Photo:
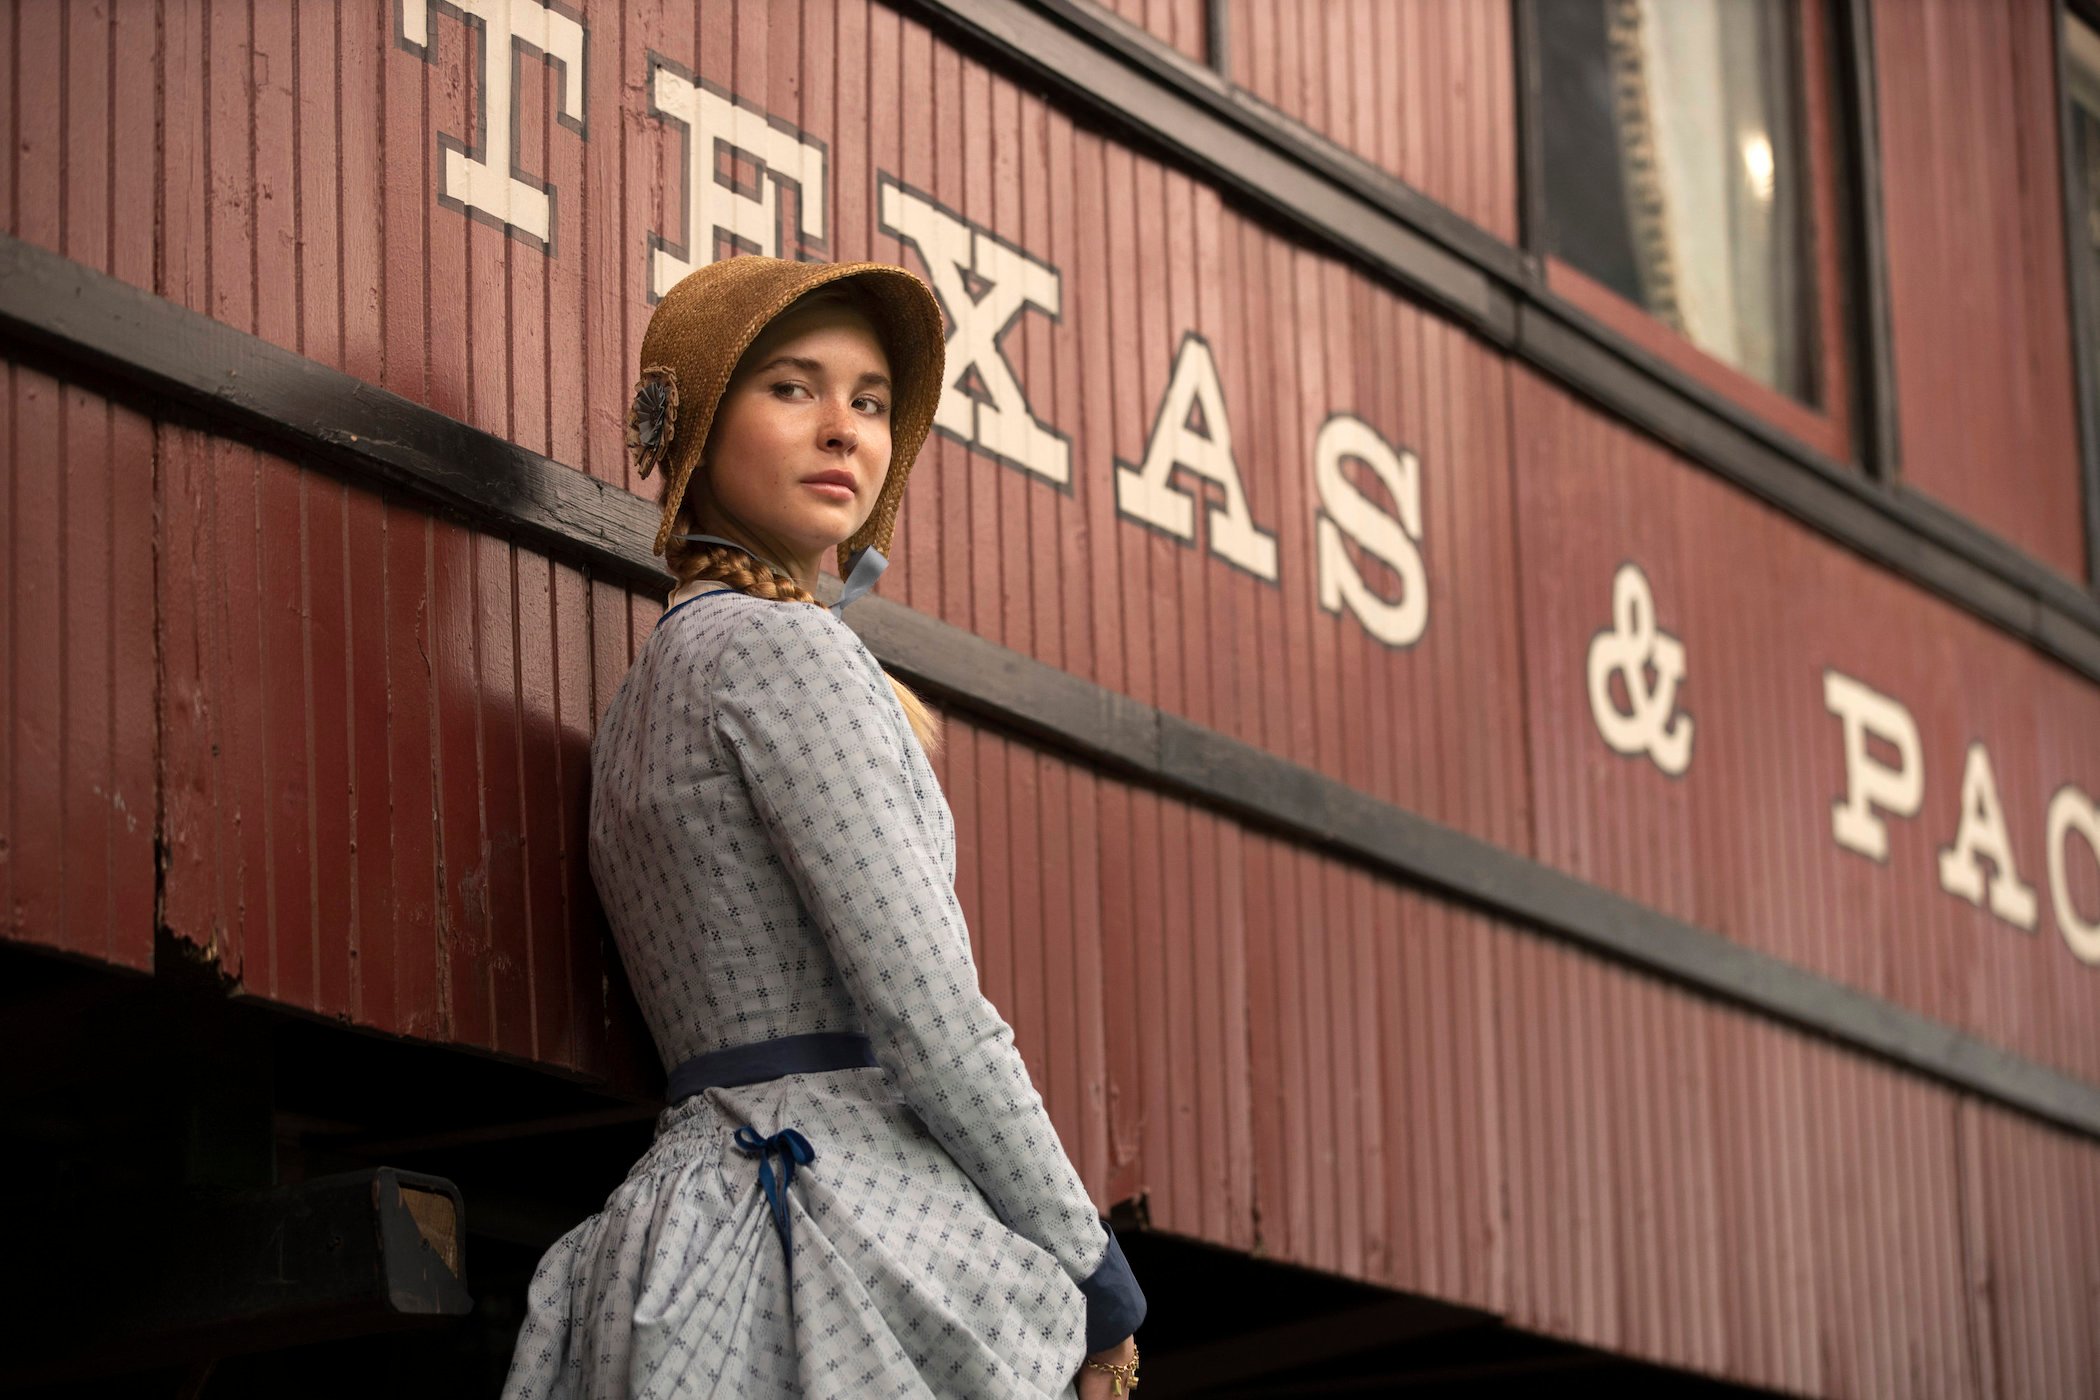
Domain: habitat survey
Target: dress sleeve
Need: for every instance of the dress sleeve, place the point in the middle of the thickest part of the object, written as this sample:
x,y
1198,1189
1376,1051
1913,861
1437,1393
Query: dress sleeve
x,y
806,714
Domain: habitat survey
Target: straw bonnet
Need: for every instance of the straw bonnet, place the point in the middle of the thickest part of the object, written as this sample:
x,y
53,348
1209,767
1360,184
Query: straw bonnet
x,y
705,323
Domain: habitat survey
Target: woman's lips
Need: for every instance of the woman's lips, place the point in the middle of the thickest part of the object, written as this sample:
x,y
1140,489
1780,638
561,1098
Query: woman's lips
x,y
831,490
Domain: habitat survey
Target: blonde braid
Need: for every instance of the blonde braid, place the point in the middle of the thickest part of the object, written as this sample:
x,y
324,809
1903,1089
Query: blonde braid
x,y
743,572
748,574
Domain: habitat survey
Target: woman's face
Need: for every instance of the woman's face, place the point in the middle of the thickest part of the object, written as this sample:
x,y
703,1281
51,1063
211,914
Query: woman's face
x,y
800,444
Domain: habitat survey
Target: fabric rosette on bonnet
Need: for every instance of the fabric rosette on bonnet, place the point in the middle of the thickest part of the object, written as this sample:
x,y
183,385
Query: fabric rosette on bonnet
x,y
705,323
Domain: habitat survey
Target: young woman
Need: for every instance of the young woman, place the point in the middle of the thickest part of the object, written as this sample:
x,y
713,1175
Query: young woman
x,y
856,1190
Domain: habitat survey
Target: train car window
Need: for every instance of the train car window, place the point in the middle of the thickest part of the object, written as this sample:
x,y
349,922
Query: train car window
x,y
2081,70
1673,170
1684,195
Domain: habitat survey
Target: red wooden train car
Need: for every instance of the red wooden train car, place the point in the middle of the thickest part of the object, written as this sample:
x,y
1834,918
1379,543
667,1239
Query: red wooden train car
x,y
1513,584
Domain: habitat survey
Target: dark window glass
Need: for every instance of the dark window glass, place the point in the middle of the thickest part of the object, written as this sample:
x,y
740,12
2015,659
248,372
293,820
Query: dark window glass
x,y
1674,173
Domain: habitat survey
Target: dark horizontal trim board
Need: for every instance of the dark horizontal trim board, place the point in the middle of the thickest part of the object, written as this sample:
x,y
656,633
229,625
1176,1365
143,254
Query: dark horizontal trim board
x,y
1278,166
1209,89
166,359
133,338
1356,214
1118,733
1914,538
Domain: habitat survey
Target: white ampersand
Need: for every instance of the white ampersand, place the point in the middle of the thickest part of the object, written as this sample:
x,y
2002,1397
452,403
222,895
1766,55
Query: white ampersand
x,y
1629,647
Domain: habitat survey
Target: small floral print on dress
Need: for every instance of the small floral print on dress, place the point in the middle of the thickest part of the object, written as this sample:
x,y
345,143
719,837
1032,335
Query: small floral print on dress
x,y
652,418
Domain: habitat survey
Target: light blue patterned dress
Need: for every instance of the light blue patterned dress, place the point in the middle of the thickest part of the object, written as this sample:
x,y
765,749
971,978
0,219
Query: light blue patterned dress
x,y
776,858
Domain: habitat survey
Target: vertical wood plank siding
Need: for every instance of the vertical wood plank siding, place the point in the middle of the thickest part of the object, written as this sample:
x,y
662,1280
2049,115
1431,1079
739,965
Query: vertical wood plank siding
x,y
1179,24
76,721
1421,89
1446,1104
398,756
359,729
1743,844
78,750
1973,198
2033,1208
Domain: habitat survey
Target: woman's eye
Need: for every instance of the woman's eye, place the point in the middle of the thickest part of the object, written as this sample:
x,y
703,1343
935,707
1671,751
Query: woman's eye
x,y
867,403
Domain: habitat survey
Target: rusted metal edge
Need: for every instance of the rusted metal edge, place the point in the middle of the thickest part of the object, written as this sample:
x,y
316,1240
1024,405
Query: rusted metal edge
x,y
163,357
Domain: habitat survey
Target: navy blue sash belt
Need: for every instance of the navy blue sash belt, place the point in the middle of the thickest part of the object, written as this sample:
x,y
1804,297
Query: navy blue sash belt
x,y
755,1063
769,1059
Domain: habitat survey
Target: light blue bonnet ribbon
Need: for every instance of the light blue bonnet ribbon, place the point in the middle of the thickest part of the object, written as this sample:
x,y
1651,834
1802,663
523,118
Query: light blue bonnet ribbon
x,y
867,566
862,571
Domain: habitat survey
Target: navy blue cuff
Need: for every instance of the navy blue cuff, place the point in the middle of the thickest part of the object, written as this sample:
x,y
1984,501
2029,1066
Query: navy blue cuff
x,y
1115,1305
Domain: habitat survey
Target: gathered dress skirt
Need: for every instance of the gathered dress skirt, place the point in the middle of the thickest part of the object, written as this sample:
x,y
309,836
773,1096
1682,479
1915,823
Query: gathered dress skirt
x,y
906,1283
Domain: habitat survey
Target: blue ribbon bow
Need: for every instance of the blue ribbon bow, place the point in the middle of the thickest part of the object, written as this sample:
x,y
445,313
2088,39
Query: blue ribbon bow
x,y
793,1149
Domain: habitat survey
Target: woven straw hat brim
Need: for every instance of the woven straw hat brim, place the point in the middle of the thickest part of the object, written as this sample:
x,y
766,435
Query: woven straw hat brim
x,y
706,322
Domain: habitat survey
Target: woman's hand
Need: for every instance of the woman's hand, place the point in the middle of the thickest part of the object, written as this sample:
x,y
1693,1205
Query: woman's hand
x,y
1100,1385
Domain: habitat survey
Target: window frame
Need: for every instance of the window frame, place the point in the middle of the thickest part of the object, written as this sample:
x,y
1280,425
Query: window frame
x,y
2079,281
1831,428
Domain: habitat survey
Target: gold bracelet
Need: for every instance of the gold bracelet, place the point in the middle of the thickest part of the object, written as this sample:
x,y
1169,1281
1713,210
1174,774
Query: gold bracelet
x,y
1124,1383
